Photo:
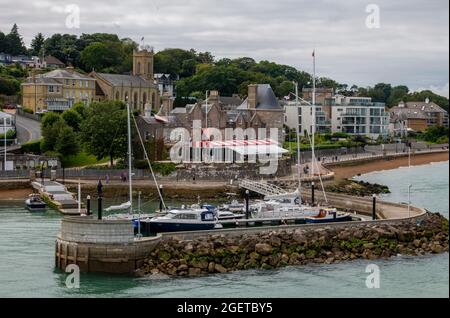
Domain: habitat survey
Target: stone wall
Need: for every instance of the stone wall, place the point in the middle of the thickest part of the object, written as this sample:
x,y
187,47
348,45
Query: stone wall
x,y
219,253
90,230
226,171
101,246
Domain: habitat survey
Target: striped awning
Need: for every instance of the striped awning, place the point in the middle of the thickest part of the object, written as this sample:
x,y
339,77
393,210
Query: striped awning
x,y
245,147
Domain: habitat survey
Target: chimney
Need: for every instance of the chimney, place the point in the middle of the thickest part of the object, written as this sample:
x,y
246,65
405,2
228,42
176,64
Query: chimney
x,y
427,100
252,96
167,104
147,110
213,97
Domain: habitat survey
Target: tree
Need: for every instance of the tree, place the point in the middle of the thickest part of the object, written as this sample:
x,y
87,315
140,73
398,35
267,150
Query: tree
x,y
51,129
104,131
65,47
14,42
81,109
2,42
103,57
9,86
66,142
37,44
72,118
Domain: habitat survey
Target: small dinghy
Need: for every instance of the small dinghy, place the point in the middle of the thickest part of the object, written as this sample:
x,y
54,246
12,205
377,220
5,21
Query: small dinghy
x,y
35,203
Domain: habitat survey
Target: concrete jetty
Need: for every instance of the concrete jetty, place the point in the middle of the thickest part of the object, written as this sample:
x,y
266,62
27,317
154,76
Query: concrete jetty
x,y
57,196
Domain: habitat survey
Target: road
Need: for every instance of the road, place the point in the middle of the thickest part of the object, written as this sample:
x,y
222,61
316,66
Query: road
x,y
27,129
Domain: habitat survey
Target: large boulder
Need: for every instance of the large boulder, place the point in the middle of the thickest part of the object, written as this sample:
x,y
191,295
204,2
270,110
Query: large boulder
x,y
263,249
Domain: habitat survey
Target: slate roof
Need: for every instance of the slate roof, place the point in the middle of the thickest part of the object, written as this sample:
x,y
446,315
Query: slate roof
x,y
64,73
265,99
126,80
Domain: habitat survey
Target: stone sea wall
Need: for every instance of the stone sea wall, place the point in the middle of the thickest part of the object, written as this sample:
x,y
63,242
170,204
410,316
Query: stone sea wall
x,y
219,253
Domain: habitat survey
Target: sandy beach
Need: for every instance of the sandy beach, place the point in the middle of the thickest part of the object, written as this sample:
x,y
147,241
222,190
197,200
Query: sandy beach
x,y
349,170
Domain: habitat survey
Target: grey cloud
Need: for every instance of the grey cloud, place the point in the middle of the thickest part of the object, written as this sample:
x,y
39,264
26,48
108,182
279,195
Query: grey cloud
x,y
411,47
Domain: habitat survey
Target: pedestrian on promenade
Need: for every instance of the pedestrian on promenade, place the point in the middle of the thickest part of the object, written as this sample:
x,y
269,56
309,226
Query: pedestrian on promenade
x,y
107,178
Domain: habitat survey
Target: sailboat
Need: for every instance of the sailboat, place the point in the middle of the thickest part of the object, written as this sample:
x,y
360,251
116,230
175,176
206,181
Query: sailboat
x,y
128,206
291,205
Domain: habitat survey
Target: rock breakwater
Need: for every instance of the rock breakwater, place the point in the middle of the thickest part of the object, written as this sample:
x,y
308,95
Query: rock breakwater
x,y
271,249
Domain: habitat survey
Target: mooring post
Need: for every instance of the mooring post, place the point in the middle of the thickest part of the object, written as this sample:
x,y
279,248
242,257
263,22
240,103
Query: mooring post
x,y
247,198
161,198
100,194
374,207
312,193
88,205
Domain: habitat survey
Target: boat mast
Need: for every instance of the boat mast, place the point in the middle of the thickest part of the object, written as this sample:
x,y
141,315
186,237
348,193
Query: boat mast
x,y
313,130
298,145
129,157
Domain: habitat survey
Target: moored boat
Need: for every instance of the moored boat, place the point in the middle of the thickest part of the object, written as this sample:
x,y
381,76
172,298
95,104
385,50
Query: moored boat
x,y
329,215
182,220
35,203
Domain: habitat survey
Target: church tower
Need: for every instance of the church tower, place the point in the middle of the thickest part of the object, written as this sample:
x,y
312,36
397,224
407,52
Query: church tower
x,y
143,64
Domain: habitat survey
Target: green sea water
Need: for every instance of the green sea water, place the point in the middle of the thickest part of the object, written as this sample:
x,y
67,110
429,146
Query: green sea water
x,y
27,244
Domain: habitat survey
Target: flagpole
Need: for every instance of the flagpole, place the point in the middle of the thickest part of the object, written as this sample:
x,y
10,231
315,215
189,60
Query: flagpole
x,y
313,130
298,146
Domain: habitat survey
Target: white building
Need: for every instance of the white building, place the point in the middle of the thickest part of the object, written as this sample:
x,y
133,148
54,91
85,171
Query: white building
x,y
351,115
301,117
359,116
7,122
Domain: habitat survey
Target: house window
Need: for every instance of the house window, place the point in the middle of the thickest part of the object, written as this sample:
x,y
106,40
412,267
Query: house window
x,y
87,84
67,82
73,83
51,89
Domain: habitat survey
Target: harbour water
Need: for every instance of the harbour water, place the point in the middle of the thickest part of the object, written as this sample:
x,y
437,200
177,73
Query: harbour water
x,y
27,259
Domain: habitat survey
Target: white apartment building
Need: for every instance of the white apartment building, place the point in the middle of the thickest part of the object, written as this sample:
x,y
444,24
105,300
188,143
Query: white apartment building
x,y
301,117
359,116
351,115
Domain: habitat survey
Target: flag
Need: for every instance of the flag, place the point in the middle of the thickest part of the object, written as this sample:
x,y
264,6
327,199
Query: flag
x,y
314,53
142,39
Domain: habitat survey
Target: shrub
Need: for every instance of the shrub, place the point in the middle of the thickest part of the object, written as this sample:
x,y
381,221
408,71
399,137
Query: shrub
x,y
27,110
33,147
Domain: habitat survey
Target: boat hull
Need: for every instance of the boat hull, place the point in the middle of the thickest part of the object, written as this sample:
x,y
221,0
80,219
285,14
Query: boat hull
x,y
345,218
154,227
35,206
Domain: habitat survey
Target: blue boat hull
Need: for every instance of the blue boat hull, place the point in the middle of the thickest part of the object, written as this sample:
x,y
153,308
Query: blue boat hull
x,y
163,227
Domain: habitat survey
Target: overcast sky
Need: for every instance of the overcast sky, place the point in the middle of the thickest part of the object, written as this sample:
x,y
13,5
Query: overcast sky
x,y
411,46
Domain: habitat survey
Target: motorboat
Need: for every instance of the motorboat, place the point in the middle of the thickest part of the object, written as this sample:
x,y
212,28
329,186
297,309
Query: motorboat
x,y
182,220
234,207
286,205
35,203
327,215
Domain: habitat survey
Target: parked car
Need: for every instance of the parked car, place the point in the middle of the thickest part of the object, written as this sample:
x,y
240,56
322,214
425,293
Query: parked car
x,y
9,106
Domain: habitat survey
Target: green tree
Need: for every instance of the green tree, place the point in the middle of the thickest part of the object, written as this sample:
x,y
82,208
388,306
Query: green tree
x,y
2,42
81,109
50,132
37,44
14,42
66,143
64,47
72,118
103,57
104,131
